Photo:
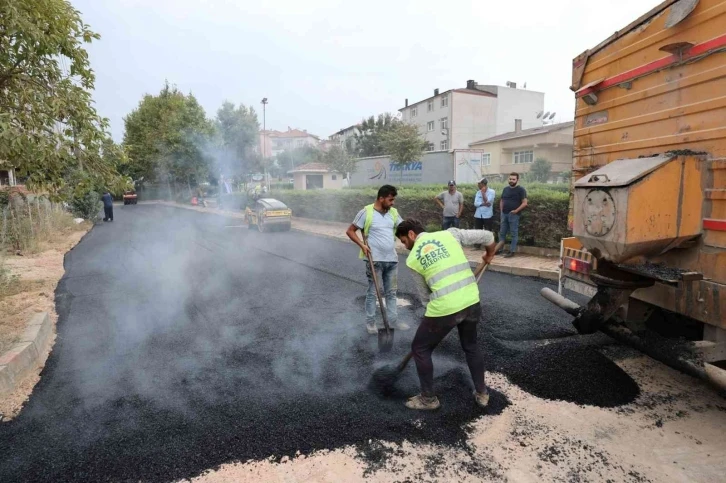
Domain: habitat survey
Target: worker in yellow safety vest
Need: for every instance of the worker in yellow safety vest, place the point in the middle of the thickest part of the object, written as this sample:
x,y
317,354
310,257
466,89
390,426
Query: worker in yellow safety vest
x,y
378,222
449,290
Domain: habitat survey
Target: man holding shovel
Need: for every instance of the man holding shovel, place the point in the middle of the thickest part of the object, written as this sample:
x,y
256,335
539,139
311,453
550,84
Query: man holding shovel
x,y
378,222
449,290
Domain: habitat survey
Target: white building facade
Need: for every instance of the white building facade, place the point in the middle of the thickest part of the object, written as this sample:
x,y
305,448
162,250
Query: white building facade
x,y
455,118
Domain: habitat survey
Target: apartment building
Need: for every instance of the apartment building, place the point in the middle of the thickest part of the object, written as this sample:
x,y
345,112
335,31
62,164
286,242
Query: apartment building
x,y
515,151
273,142
345,138
455,118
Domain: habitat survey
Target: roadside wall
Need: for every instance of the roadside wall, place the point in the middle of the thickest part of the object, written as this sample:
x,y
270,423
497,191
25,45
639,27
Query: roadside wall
x,y
434,168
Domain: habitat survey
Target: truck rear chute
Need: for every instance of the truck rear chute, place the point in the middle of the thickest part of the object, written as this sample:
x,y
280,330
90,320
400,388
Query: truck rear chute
x,y
648,207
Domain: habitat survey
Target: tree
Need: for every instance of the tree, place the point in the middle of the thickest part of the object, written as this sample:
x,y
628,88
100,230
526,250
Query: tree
x,y
48,125
369,135
540,170
238,130
167,138
403,144
338,159
289,159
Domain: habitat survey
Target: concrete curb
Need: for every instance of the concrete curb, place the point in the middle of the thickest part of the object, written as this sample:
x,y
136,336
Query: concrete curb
x,y
522,271
26,355
519,271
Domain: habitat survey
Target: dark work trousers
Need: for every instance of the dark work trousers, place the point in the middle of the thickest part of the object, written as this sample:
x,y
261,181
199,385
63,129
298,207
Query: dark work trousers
x,y
108,213
484,223
433,330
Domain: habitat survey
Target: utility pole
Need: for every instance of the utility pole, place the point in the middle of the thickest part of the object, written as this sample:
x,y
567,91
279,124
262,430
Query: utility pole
x,y
264,141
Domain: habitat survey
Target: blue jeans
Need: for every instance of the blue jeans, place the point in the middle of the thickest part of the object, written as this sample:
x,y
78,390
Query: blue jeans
x,y
509,224
387,273
450,221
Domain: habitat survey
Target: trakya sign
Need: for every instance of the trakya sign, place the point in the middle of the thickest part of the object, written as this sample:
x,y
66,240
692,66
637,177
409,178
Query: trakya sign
x,y
379,170
412,166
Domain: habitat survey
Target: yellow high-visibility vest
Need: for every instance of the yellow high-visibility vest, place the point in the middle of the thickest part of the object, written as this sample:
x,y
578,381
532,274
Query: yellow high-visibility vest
x,y
369,220
441,261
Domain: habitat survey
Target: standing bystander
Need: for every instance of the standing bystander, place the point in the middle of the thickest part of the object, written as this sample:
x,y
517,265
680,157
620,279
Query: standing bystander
x,y
484,202
452,202
513,201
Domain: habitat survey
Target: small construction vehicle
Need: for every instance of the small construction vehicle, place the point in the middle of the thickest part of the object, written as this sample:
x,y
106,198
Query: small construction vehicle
x,y
269,214
130,197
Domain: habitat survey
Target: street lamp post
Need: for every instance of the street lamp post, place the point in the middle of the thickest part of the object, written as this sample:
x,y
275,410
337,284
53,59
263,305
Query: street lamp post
x,y
264,140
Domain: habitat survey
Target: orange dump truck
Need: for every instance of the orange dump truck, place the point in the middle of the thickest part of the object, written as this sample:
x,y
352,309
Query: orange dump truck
x,y
648,205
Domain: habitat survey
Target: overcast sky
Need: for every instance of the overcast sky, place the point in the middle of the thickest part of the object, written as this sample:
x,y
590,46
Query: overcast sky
x,y
324,64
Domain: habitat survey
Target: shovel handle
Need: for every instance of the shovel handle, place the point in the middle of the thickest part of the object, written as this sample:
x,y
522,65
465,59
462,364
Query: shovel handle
x,y
378,290
404,362
479,270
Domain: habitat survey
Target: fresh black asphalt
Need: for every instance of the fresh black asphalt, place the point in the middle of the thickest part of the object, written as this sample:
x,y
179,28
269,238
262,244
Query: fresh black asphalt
x,y
186,341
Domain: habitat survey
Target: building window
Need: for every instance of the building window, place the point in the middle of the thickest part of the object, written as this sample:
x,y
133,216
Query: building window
x,y
335,177
431,125
430,106
523,157
444,123
445,145
486,159
430,147
444,101
414,111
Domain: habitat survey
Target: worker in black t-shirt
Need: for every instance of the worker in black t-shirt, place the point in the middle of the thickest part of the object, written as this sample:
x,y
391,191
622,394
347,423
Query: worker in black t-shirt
x,y
511,204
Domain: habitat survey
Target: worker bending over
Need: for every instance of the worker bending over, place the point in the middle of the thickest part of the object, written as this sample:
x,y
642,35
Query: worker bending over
x,y
449,291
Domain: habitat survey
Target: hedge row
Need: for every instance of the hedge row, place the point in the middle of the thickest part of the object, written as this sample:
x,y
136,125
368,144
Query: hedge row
x,y
543,223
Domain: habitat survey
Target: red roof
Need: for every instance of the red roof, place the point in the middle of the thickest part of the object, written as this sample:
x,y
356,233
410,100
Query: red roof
x,y
290,133
316,167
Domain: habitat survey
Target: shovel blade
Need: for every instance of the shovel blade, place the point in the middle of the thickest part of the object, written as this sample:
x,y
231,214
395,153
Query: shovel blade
x,y
385,340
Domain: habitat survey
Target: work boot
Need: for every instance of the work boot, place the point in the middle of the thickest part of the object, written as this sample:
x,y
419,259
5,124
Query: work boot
x,y
482,399
372,328
423,403
401,326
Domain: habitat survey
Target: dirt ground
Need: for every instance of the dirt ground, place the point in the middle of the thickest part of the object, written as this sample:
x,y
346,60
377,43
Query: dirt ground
x,y
38,274
674,431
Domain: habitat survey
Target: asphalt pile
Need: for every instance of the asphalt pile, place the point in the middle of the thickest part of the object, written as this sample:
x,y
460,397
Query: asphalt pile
x,y
228,354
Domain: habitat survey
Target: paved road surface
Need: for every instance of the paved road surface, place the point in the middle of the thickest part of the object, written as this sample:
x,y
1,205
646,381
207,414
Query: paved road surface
x,y
186,341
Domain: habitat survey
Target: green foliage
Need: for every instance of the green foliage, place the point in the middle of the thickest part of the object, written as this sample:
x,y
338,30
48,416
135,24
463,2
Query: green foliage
x,y
543,223
166,137
369,136
47,120
540,170
288,159
403,143
237,131
86,204
25,221
338,159
7,278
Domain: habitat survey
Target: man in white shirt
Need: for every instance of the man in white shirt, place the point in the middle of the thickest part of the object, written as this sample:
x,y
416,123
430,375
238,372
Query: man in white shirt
x,y
378,221
484,202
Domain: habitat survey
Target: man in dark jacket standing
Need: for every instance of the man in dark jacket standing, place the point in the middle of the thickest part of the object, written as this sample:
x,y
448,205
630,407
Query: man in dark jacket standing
x,y
513,201
107,206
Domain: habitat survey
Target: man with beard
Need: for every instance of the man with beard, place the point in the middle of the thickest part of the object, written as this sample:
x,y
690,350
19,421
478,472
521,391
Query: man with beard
x,y
511,204
378,222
